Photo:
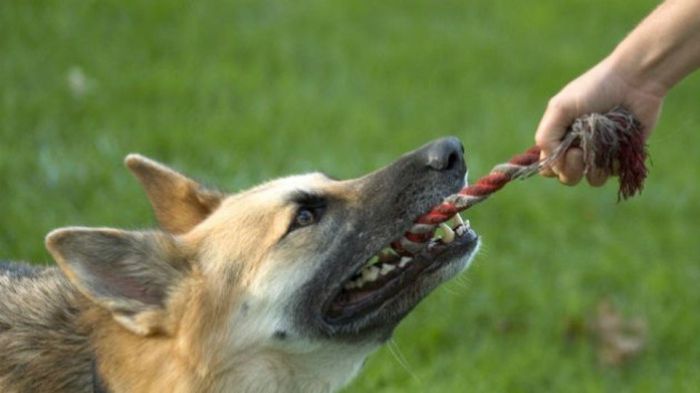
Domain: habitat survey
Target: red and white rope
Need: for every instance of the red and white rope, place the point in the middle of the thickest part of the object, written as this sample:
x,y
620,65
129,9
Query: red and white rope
x,y
610,141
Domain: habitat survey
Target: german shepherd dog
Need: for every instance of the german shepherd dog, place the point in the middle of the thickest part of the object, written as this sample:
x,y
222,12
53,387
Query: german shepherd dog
x,y
286,287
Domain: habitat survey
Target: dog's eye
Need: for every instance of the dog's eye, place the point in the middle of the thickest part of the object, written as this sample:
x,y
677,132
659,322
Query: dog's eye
x,y
304,218
310,209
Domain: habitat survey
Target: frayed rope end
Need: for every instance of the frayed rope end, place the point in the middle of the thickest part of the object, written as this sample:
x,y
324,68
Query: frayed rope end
x,y
615,143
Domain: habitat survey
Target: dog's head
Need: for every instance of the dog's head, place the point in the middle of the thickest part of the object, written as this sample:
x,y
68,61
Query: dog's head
x,y
298,260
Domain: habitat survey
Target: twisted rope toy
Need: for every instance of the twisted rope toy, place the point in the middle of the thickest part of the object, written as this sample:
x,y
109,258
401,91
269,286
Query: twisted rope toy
x,y
612,141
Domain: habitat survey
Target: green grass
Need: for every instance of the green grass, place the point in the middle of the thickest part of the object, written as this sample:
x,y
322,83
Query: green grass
x,y
236,92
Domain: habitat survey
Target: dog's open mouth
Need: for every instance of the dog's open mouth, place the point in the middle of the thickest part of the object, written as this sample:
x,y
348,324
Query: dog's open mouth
x,y
387,275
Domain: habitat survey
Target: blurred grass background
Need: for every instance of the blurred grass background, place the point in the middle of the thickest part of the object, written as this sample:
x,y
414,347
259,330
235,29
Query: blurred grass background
x,y
236,92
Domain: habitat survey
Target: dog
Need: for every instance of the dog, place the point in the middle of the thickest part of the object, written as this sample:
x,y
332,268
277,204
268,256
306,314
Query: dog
x,y
285,287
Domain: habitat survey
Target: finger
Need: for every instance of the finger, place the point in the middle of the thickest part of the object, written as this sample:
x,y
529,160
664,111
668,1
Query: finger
x,y
555,167
597,177
553,125
546,170
572,171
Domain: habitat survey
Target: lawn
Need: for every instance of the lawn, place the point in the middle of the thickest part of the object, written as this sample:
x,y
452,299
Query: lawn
x,y
236,92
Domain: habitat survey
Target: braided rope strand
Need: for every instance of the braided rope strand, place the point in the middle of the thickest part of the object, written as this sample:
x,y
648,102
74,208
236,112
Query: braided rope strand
x,y
613,141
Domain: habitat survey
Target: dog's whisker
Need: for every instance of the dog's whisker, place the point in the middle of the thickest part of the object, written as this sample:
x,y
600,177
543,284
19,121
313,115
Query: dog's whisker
x,y
396,352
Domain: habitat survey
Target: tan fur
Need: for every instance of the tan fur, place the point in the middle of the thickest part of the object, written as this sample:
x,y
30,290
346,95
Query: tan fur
x,y
179,202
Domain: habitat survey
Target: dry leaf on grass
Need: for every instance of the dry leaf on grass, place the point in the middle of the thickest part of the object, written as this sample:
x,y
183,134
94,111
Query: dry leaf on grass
x,y
618,339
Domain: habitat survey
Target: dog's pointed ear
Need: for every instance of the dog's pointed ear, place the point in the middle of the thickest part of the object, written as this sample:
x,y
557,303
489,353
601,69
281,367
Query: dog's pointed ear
x,y
179,202
131,274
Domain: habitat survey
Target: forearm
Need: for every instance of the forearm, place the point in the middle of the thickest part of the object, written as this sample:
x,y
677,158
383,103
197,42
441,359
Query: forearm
x,y
663,49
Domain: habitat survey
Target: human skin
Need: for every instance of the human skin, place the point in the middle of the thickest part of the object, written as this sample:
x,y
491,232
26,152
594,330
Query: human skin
x,y
654,57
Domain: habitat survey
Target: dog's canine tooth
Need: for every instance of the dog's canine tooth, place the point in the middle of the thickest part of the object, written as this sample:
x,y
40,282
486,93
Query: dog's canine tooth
x,y
370,274
405,261
386,269
458,219
449,234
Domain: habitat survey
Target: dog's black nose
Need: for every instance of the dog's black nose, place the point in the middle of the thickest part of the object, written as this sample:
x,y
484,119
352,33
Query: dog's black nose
x,y
445,154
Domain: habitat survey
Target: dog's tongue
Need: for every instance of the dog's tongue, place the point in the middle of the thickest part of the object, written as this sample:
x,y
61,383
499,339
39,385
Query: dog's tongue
x,y
613,142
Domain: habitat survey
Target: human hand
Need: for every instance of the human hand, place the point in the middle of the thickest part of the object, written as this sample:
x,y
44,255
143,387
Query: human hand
x,y
600,89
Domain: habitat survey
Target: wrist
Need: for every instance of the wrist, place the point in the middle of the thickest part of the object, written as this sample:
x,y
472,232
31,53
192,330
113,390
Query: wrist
x,y
663,49
640,71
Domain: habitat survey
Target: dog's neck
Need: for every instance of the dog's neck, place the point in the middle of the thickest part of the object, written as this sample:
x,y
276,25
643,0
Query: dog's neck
x,y
197,361
73,342
324,369
74,345
129,363
145,365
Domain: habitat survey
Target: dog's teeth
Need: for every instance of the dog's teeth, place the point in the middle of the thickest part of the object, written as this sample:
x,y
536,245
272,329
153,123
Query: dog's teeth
x,y
370,274
359,283
372,261
405,261
386,269
449,235
458,219
461,230
433,243
467,224
350,285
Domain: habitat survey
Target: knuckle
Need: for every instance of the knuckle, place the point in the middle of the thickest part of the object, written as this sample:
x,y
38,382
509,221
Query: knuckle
x,y
570,178
556,104
540,138
556,109
598,180
569,181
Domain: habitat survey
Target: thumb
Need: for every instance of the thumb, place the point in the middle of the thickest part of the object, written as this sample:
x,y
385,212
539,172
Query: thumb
x,y
556,120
